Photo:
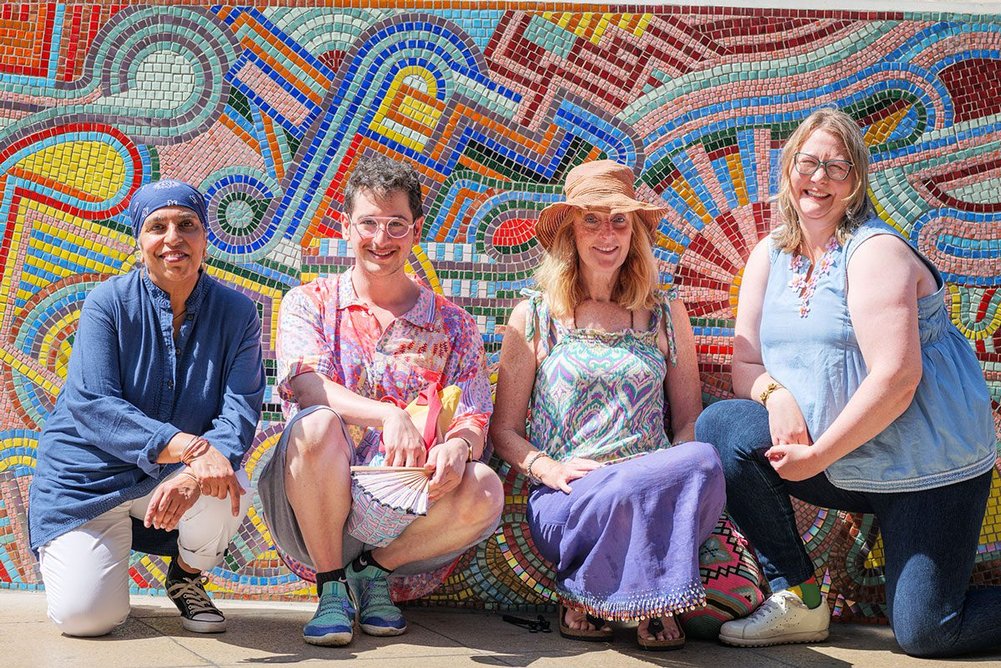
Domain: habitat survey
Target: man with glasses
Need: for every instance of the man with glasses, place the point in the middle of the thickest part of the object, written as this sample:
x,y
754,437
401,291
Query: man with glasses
x,y
346,343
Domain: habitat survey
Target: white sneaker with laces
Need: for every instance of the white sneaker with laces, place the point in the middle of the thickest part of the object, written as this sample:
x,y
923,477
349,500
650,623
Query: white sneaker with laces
x,y
782,619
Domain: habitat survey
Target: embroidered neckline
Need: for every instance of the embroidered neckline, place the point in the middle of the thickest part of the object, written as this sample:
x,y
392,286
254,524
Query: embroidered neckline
x,y
799,266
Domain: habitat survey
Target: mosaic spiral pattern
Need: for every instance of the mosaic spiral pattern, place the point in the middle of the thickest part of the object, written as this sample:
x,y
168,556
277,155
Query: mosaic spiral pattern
x,y
268,107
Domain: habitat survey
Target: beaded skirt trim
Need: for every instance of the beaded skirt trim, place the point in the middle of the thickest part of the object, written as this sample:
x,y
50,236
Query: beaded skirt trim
x,y
637,606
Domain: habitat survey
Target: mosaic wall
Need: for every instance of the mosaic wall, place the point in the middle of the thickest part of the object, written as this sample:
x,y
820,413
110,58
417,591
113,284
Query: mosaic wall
x,y
268,107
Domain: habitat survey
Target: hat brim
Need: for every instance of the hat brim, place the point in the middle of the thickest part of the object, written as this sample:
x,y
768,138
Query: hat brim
x,y
556,215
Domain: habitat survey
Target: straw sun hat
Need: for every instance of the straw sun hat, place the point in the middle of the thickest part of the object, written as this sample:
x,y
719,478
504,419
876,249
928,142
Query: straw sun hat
x,y
602,184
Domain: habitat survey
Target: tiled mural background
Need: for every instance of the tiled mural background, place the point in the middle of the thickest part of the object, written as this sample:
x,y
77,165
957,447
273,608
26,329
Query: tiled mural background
x,y
267,107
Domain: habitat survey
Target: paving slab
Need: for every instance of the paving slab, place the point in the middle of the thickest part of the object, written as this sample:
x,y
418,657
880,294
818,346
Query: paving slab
x,y
270,633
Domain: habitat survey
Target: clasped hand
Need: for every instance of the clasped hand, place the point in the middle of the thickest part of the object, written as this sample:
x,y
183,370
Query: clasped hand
x,y
170,501
795,461
216,478
447,464
791,455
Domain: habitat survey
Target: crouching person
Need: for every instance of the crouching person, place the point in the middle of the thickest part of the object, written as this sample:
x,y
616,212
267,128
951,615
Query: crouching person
x,y
160,404
344,343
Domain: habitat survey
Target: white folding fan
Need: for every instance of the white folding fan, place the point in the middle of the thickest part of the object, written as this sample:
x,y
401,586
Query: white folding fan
x,y
399,493
401,488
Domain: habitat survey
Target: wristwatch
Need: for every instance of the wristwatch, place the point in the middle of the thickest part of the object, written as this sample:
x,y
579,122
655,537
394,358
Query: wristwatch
x,y
771,387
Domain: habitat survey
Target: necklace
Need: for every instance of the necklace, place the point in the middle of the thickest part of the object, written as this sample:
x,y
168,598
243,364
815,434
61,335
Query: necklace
x,y
180,315
800,266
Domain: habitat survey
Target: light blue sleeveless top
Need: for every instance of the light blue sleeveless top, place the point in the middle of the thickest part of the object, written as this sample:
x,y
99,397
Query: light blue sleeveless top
x,y
946,435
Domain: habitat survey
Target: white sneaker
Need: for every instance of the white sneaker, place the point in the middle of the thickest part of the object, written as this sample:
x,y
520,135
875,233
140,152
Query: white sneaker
x,y
781,620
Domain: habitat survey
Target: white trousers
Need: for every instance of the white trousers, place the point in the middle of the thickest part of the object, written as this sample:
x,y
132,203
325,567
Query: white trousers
x,y
86,570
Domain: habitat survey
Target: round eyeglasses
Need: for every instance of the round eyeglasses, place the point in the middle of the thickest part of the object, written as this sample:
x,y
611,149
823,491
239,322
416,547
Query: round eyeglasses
x,y
397,228
593,222
836,170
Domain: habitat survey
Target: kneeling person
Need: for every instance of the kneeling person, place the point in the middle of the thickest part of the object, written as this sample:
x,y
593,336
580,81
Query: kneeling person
x,y
160,404
344,343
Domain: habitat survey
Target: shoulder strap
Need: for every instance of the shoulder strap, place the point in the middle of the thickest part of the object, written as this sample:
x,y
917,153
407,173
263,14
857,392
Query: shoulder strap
x,y
662,311
875,227
539,321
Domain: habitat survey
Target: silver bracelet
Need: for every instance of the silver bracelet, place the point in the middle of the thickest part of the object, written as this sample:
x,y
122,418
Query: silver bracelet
x,y
535,480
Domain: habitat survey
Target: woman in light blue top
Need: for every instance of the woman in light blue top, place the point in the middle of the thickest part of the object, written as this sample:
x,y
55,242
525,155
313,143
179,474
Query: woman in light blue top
x,y
860,394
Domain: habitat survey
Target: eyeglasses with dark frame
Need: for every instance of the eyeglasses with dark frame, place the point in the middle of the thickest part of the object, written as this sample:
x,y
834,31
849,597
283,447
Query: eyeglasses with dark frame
x,y
395,227
836,170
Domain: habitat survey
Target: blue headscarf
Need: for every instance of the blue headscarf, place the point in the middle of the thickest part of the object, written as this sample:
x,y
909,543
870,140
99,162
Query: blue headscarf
x,y
159,194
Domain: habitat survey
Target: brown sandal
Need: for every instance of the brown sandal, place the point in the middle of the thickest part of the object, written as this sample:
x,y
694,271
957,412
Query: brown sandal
x,y
654,645
601,632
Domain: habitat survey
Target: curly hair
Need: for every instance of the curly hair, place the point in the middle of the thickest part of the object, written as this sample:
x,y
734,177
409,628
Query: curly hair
x,y
383,176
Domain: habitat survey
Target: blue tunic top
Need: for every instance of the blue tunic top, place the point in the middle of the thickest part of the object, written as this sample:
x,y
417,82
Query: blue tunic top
x,y
946,435
130,388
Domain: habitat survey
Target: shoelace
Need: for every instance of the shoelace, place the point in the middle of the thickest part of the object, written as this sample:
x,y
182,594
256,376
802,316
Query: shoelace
x,y
194,596
766,608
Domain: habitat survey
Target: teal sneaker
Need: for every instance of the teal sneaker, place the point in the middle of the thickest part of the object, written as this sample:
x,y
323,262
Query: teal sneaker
x,y
334,621
378,615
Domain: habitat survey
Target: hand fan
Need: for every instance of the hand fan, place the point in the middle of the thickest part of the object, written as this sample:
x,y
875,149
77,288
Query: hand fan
x,y
400,488
385,499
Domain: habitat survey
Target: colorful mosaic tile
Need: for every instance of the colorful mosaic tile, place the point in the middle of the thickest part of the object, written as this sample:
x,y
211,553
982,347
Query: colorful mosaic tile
x,y
268,107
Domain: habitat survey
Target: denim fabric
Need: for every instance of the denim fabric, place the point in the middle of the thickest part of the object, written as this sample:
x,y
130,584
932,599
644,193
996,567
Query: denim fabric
x,y
131,387
929,537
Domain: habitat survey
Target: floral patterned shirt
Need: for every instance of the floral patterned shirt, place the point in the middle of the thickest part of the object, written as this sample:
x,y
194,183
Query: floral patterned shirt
x,y
324,328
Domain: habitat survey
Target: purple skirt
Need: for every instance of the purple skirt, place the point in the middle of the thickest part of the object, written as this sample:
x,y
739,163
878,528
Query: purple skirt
x,y
625,543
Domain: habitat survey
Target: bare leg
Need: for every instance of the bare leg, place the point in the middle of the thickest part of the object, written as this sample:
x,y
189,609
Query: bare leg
x,y
185,567
453,522
318,484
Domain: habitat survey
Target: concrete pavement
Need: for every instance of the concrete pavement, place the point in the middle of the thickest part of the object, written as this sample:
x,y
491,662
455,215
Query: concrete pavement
x,y
269,633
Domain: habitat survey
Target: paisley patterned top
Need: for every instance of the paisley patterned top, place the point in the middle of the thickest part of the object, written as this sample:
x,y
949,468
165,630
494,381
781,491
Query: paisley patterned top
x,y
598,395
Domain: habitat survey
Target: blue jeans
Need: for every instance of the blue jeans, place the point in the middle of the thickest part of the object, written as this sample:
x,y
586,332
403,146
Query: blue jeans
x,y
929,537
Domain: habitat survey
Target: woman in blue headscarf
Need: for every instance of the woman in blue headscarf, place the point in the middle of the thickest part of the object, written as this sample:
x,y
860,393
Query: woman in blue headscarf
x,y
161,402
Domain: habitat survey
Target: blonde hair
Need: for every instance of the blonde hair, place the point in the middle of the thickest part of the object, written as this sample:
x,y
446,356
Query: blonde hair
x,y
788,236
559,277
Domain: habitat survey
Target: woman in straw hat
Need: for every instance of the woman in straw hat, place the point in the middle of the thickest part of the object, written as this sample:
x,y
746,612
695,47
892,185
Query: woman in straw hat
x,y
591,362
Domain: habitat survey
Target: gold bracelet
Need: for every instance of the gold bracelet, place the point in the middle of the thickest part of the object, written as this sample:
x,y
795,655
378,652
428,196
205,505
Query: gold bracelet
x,y
771,387
469,447
195,448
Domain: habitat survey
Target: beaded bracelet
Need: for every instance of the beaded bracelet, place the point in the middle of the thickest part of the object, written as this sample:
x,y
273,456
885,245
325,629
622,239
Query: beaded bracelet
x,y
531,462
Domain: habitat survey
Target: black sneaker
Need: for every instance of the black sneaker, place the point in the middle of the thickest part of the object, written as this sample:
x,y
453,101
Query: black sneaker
x,y
198,613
